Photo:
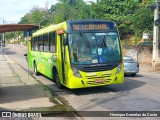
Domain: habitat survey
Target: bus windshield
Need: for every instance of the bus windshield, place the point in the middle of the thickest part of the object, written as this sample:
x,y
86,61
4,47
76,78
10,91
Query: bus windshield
x,y
94,47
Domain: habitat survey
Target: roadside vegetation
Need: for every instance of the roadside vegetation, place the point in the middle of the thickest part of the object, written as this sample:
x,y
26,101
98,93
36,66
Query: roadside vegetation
x,y
133,17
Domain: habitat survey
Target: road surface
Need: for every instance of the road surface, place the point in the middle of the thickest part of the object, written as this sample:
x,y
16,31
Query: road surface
x,y
140,93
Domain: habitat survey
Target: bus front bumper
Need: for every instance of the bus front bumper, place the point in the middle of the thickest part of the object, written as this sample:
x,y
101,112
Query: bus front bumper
x,y
75,82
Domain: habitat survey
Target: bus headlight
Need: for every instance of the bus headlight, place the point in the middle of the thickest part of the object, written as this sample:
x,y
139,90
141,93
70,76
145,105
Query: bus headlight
x,y
76,73
119,68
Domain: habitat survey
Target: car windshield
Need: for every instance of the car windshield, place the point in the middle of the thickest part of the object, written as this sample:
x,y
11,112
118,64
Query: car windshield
x,y
94,47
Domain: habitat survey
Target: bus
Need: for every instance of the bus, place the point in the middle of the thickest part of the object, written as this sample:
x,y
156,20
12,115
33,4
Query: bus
x,y
78,53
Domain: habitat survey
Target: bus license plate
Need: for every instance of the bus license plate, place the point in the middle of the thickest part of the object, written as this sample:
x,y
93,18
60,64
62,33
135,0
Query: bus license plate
x,y
99,80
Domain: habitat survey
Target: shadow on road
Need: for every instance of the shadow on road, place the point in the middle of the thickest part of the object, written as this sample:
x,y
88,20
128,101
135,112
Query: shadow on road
x,y
128,85
9,51
21,93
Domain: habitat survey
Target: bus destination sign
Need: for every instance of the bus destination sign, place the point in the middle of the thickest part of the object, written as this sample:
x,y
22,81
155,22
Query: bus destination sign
x,y
91,26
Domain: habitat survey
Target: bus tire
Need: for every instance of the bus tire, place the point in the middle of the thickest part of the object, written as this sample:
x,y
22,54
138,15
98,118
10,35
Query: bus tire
x,y
35,69
57,80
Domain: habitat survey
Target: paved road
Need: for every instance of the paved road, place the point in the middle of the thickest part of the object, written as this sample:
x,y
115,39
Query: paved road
x,y
140,93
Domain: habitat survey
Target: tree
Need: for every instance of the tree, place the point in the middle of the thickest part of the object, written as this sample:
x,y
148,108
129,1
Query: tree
x,y
69,10
36,15
116,10
142,19
131,16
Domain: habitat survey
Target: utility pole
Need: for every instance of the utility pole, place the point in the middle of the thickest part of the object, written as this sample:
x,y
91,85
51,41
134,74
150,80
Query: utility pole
x,y
3,37
155,35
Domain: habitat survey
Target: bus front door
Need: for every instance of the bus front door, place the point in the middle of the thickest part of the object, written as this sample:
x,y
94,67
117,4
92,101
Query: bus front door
x,y
63,58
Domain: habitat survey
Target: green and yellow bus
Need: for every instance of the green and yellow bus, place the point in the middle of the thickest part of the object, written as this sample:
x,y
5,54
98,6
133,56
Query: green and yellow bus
x,y
78,54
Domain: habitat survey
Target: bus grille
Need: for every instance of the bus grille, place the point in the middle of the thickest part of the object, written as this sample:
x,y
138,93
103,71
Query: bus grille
x,y
105,77
98,68
95,76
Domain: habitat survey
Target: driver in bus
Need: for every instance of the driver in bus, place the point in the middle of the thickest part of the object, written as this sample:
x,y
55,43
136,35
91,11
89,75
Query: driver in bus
x,y
74,51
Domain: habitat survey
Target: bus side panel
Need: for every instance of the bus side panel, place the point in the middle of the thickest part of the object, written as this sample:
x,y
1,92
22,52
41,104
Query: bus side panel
x,y
46,63
32,56
49,61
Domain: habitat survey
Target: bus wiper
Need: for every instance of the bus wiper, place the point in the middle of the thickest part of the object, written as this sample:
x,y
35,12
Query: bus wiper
x,y
103,42
85,40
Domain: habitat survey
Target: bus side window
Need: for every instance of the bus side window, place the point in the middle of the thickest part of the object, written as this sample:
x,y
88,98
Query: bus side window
x,y
40,39
52,42
46,42
36,43
32,44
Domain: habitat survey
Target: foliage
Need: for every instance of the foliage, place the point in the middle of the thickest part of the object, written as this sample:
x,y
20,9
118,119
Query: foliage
x,y
142,20
69,10
10,35
37,15
116,10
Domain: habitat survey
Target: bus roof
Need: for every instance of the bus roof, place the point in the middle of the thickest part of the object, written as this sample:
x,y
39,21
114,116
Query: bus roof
x,y
48,29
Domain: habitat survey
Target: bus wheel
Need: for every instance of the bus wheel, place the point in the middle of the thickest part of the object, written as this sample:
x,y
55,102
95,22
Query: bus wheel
x,y
57,80
35,69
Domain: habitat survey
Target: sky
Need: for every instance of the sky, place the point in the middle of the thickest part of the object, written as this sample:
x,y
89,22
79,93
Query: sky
x,y
12,10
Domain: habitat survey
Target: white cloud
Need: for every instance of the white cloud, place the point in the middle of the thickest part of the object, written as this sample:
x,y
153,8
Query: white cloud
x,y
12,10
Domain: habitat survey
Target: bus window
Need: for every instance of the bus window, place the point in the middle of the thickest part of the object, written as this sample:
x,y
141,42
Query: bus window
x,y
113,42
32,44
52,40
40,41
36,44
46,42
